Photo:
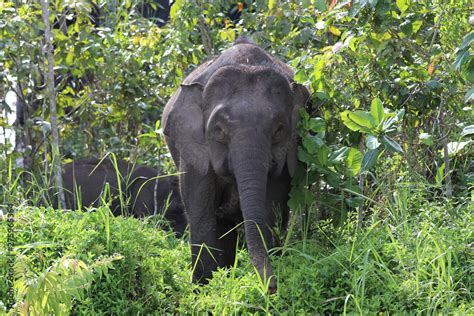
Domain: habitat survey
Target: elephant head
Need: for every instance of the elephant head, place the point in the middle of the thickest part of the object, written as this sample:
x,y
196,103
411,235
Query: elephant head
x,y
236,118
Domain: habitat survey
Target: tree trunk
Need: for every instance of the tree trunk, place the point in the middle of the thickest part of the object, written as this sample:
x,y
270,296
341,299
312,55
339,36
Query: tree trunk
x,y
23,141
56,158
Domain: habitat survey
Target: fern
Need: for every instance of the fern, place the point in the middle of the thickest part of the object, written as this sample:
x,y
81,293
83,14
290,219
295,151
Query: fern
x,y
54,290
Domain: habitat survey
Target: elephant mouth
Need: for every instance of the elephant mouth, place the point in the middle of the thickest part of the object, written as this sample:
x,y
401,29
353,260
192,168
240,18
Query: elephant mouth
x,y
273,169
227,178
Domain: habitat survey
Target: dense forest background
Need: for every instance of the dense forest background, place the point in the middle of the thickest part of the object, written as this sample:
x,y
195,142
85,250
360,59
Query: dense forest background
x,y
381,203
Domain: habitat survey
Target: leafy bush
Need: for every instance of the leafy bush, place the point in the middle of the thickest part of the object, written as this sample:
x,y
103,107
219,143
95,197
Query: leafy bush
x,y
404,263
150,267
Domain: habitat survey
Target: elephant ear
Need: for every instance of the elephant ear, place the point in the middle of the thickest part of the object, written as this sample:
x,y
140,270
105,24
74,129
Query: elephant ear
x,y
300,98
184,127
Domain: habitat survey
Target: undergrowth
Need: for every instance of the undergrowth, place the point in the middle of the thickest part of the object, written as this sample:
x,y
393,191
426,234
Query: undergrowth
x,y
405,262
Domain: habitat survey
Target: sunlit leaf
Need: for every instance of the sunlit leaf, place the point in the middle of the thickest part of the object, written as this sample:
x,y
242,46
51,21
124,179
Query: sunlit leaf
x,y
322,155
468,39
358,121
377,111
469,96
272,4
177,4
403,5
468,130
334,30
439,177
338,156
391,145
426,139
354,161
461,59
455,148
372,142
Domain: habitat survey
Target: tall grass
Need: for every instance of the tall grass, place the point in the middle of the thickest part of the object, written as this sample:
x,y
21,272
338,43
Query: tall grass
x,y
422,264
413,254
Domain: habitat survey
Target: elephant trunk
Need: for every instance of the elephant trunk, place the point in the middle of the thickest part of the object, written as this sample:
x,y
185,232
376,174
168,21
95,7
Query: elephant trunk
x,y
250,164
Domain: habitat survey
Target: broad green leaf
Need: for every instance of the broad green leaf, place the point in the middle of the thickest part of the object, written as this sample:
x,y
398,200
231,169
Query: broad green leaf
x,y
356,7
416,25
468,39
370,158
303,156
338,156
391,145
70,57
354,161
312,143
406,27
469,96
400,115
455,148
372,142
403,5
461,59
439,175
320,5
175,8
376,109
388,123
468,130
303,114
301,76
333,179
426,139
322,155
300,197
317,125
358,121
373,3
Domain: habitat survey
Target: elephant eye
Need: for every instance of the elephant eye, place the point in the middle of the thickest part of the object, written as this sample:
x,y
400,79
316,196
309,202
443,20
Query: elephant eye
x,y
278,134
220,135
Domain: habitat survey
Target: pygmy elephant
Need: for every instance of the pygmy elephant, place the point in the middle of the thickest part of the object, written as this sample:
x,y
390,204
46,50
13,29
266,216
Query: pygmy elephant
x,y
132,189
231,130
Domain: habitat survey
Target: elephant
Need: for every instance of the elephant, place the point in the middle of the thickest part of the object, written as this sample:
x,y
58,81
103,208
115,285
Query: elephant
x,y
231,131
84,181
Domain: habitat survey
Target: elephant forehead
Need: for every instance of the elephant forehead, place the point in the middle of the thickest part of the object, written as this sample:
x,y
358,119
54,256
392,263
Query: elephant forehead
x,y
247,82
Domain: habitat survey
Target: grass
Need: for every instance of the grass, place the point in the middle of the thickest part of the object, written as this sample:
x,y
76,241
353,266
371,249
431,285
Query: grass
x,y
416,259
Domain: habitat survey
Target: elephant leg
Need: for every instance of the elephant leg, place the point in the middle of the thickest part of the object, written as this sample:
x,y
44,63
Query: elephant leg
x,y
227,240
197,193
277,199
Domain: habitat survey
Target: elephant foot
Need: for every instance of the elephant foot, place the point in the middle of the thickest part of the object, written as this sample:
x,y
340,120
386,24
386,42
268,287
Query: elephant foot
x,y
272,287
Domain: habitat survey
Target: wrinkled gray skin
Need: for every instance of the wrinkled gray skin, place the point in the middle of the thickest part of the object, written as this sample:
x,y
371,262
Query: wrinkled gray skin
x,y
89,177
231,130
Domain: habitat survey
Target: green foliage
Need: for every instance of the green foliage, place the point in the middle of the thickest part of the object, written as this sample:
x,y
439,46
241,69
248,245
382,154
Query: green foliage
x,y
405,263
55,289
115,266
392,92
